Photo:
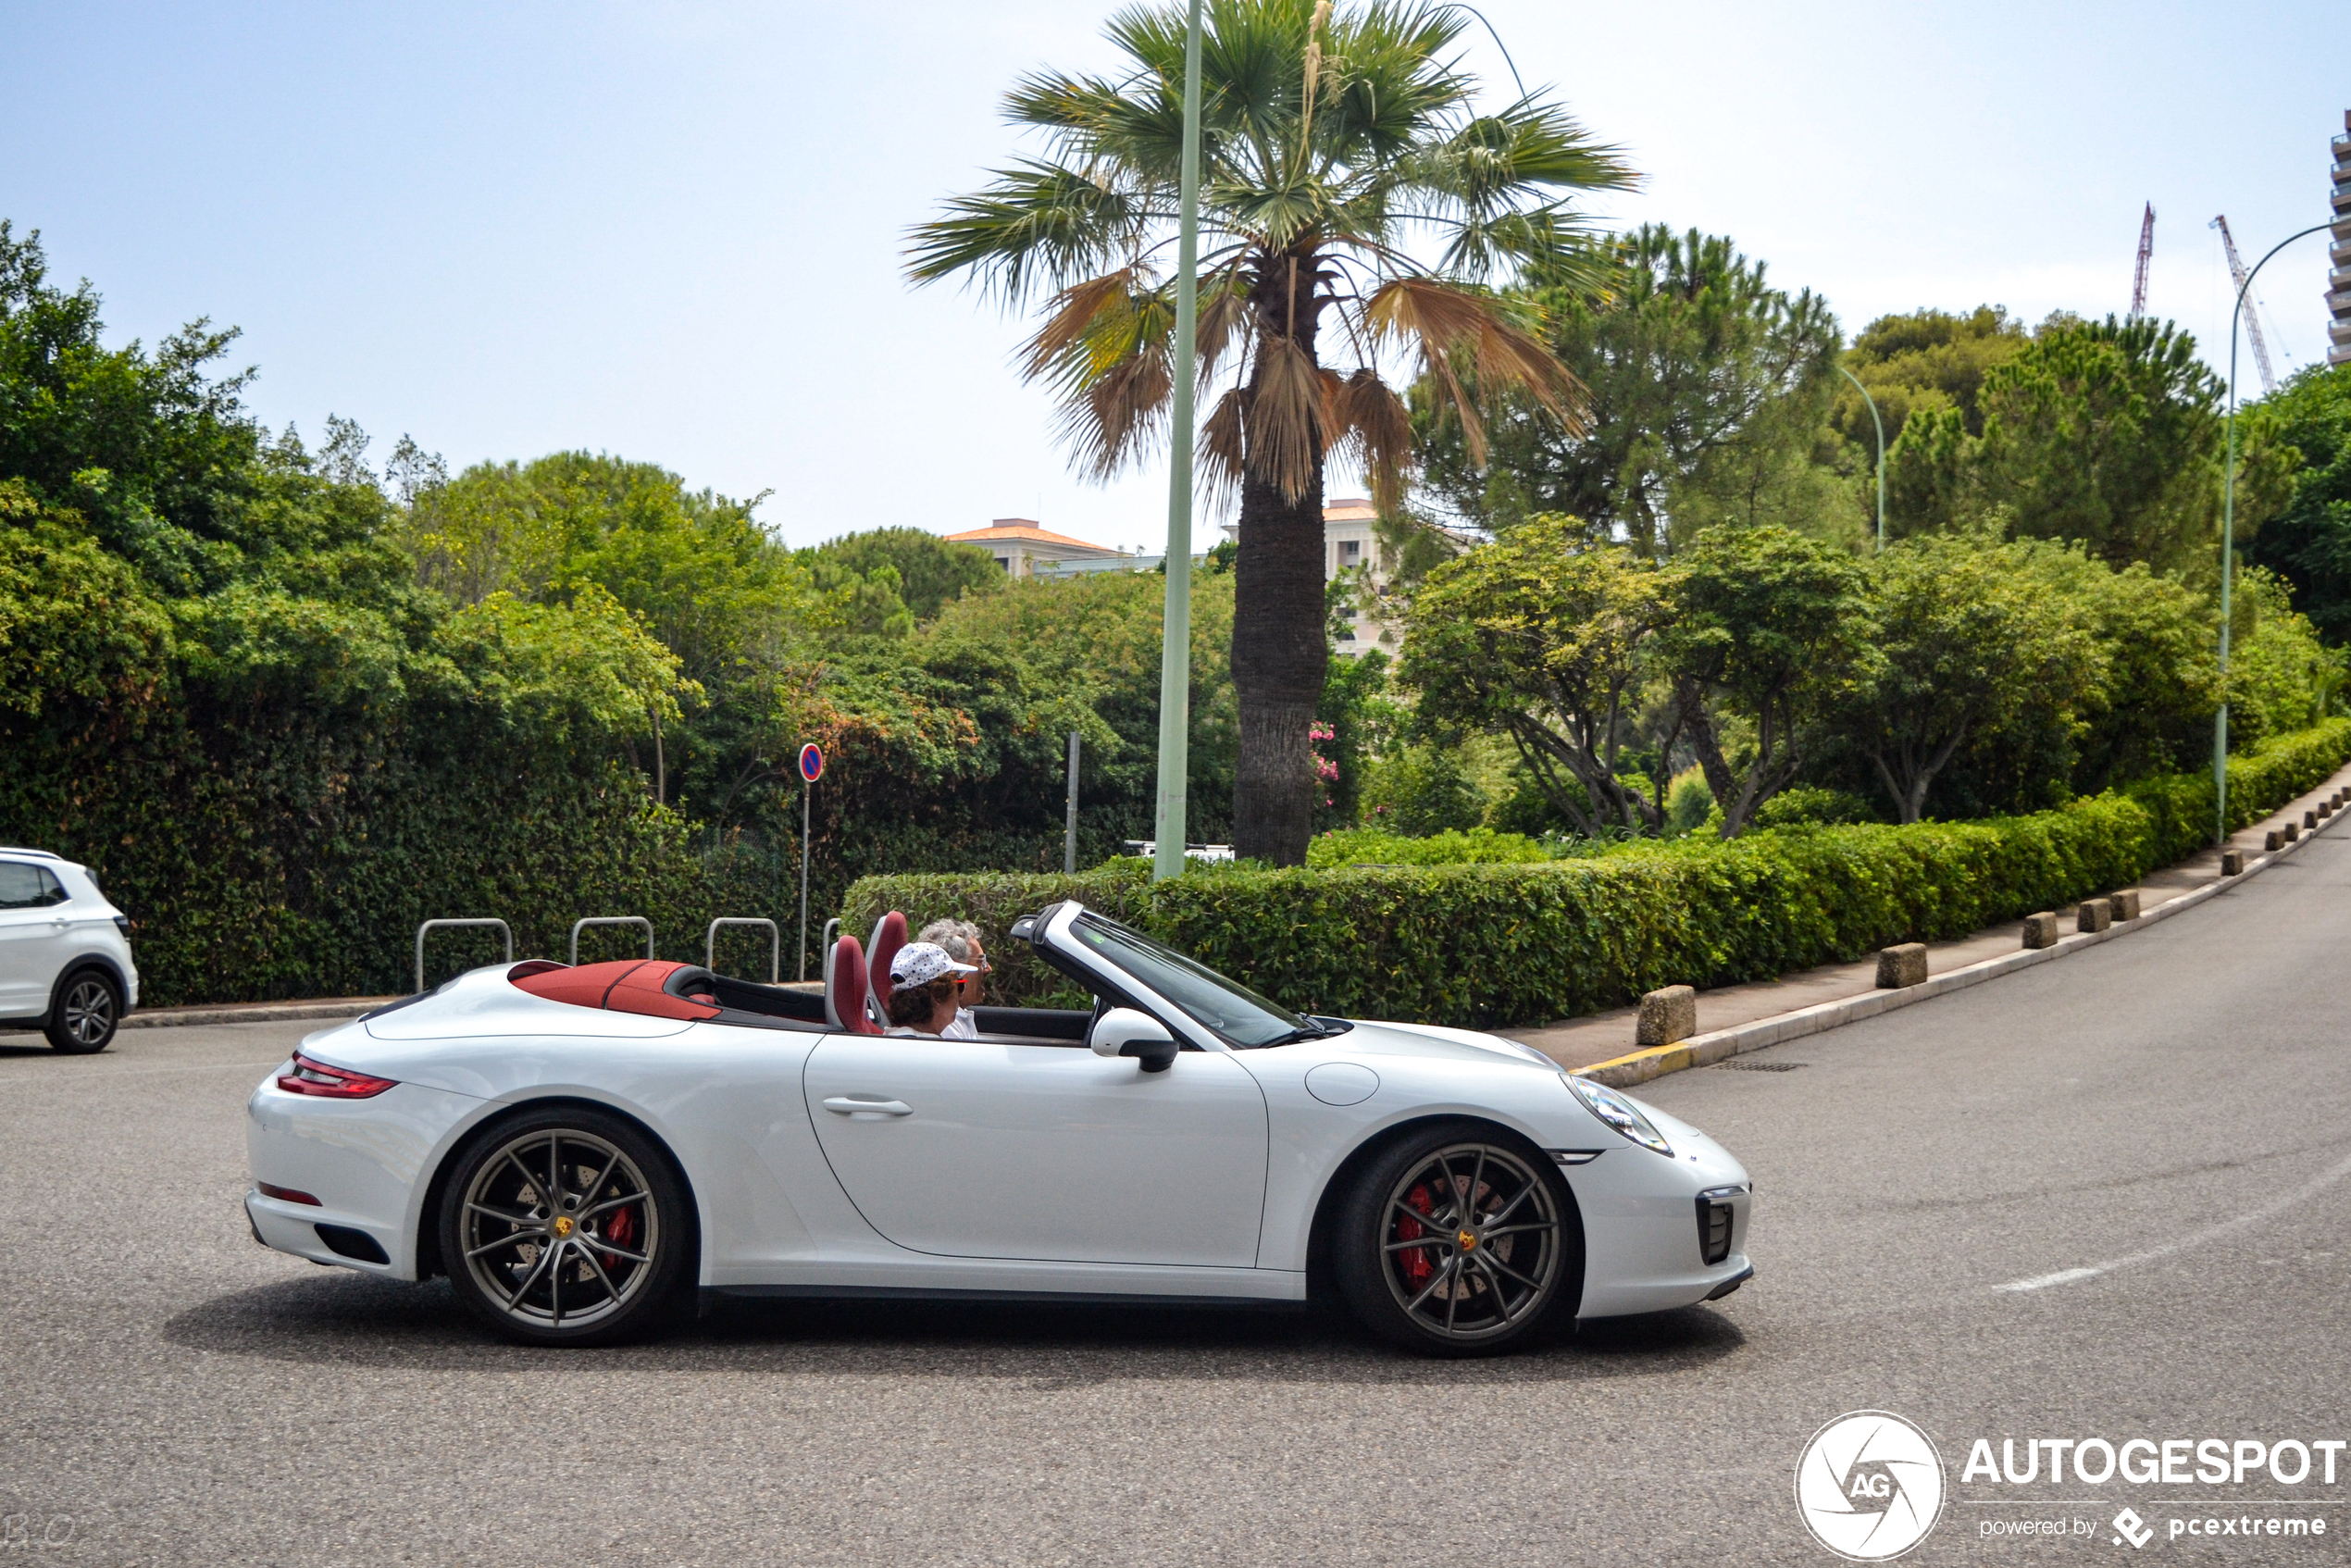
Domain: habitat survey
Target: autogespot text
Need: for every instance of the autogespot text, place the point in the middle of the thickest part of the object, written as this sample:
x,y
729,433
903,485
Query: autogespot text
x,y
2165,1461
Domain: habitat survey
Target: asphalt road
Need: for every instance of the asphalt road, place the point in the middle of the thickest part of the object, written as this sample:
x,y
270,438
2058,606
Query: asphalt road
x,y
2172,1111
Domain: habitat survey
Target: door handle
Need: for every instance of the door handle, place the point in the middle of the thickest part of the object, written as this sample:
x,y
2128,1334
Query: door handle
x,y
850,1105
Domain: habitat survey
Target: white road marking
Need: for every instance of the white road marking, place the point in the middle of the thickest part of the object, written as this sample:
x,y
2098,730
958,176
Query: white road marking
x,y
2042,1281
2196,1238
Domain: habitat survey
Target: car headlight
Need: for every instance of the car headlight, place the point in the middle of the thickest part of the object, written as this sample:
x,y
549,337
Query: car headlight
x,y
1618,1113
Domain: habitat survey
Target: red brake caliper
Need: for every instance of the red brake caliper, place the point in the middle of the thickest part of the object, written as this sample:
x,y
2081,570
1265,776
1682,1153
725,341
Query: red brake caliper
x,y
621,1228
1418,1266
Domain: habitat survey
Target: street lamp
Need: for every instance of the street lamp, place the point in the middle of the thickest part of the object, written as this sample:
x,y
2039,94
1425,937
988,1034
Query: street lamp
x,y
2228,545
1175,636
1881,450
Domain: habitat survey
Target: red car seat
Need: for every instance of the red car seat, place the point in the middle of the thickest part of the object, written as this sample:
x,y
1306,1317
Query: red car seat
x,y
845,992
890,935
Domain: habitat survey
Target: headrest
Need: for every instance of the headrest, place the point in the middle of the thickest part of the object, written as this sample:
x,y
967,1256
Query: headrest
x,y
890,935
845,992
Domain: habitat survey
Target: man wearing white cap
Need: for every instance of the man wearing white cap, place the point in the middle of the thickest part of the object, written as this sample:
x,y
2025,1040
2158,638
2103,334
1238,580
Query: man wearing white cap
x,y
923,985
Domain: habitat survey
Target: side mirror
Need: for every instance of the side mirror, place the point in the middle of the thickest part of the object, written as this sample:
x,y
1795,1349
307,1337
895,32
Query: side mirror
x,y
1122,1031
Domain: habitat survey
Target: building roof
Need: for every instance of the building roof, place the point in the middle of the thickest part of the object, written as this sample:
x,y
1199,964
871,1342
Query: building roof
x,y
1349,509
1020,530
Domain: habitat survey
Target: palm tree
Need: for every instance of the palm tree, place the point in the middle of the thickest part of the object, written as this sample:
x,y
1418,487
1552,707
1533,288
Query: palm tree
x,y
1340,151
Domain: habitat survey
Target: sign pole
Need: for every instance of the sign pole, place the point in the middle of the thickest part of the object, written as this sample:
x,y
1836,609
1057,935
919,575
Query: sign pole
x,y
812,768
806,795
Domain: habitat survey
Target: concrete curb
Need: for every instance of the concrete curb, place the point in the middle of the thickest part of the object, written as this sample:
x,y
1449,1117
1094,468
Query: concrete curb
x,y
258,1012
1704,1050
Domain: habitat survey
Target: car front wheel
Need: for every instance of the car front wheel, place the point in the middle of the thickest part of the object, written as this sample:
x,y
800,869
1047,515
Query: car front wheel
x,y
86,1011
1456,1241
565,1226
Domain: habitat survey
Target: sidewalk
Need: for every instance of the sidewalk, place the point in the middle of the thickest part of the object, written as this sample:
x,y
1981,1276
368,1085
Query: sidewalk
x,y
1603,1037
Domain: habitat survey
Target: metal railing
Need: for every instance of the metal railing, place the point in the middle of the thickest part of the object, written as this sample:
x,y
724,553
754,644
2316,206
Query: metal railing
x,y
434,925
775,943
580,926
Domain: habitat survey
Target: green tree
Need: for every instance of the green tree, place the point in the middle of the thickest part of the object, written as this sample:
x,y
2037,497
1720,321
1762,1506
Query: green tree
x,y
1334,141
2309,543
1768,627
1922,361
1537,637
932,572
1096,638
1967,639
2105,433
1707,388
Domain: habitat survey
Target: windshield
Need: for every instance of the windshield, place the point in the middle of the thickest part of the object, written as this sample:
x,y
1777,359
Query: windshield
x,y
1238,1016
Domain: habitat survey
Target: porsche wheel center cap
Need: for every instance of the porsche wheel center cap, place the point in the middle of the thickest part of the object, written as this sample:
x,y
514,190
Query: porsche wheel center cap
x,y
1468,1238
562,1225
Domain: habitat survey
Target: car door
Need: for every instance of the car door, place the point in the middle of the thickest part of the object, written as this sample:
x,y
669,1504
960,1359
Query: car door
x,y
984,1148
32,937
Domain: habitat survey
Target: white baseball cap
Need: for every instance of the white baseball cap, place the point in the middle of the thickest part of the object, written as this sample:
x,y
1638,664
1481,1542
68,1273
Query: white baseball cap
x,y
918,964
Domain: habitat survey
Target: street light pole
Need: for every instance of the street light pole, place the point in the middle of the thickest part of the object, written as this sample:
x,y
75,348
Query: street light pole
x,y
2228,545
1881,450
1176,640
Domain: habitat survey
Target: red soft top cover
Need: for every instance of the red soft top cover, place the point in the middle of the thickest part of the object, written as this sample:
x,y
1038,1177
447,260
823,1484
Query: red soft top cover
x,y
628,985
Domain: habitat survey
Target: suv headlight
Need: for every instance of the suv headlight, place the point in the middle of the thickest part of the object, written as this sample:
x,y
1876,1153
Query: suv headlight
x,y
1618,1113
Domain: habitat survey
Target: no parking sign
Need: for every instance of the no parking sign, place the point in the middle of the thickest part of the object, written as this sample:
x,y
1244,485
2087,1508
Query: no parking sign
x,y
812,763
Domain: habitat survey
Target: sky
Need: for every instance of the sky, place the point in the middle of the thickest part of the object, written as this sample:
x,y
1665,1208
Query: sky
x,y
674,231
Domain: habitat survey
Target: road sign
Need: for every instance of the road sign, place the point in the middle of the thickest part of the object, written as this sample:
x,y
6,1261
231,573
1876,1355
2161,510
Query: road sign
x,y
812,763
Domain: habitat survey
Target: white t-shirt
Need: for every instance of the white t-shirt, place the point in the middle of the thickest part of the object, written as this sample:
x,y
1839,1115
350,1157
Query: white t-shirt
x,y
965,1027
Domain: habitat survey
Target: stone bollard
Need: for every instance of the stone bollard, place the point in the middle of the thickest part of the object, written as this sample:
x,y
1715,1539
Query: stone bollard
x,y
1902,965
2093,914
2232,863
2309,820
2125,903
2041,930
2273,840
2326,809
2292,830
1667,1015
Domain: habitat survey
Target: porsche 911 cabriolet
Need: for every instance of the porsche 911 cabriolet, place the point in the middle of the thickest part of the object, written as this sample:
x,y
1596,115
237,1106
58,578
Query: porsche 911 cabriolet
x,y
584,1151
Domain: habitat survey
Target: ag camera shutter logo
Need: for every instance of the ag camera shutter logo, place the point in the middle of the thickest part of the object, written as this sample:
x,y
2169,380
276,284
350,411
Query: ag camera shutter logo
x,y
1869,1486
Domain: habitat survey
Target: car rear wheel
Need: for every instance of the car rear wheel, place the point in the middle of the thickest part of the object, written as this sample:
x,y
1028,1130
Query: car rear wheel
x,y
1456,1241
565,1226
84,1014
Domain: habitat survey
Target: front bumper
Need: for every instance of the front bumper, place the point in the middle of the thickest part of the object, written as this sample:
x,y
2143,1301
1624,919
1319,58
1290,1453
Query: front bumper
x,y
1647,1237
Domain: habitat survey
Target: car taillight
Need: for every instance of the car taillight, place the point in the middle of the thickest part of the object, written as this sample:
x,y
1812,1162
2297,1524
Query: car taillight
x,y
333,1083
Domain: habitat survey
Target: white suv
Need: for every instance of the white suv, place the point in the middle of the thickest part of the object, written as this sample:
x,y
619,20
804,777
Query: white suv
x,y
65,953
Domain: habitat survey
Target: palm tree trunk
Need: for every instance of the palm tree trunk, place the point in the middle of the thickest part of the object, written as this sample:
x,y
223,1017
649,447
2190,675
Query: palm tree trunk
x,y
1280,649
1280,657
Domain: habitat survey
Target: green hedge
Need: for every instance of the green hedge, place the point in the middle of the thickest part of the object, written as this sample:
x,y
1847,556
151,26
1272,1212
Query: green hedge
x,y
1490,945
296,859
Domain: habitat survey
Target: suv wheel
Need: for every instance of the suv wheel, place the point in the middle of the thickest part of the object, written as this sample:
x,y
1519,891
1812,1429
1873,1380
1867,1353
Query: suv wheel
x,y
84,1013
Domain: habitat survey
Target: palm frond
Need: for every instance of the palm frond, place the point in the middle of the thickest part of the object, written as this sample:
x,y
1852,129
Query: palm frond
x,y
1039,225
1449,325
1287,418
1372,425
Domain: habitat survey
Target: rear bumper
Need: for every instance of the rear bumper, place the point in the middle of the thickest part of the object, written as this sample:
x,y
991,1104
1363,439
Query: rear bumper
x,y
368,1161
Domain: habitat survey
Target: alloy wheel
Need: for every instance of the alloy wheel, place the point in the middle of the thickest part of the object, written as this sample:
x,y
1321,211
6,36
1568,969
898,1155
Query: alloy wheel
x,y
560,1229
1469,1243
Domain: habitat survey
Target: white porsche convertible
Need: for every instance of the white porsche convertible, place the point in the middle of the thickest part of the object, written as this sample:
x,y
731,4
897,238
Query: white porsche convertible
x,y
578,1149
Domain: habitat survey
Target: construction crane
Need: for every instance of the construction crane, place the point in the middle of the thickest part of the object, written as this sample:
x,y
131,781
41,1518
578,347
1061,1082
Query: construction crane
x,y
2252,314
2147,254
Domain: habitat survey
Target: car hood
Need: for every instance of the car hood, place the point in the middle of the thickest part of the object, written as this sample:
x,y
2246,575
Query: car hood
x,y
1372,1038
